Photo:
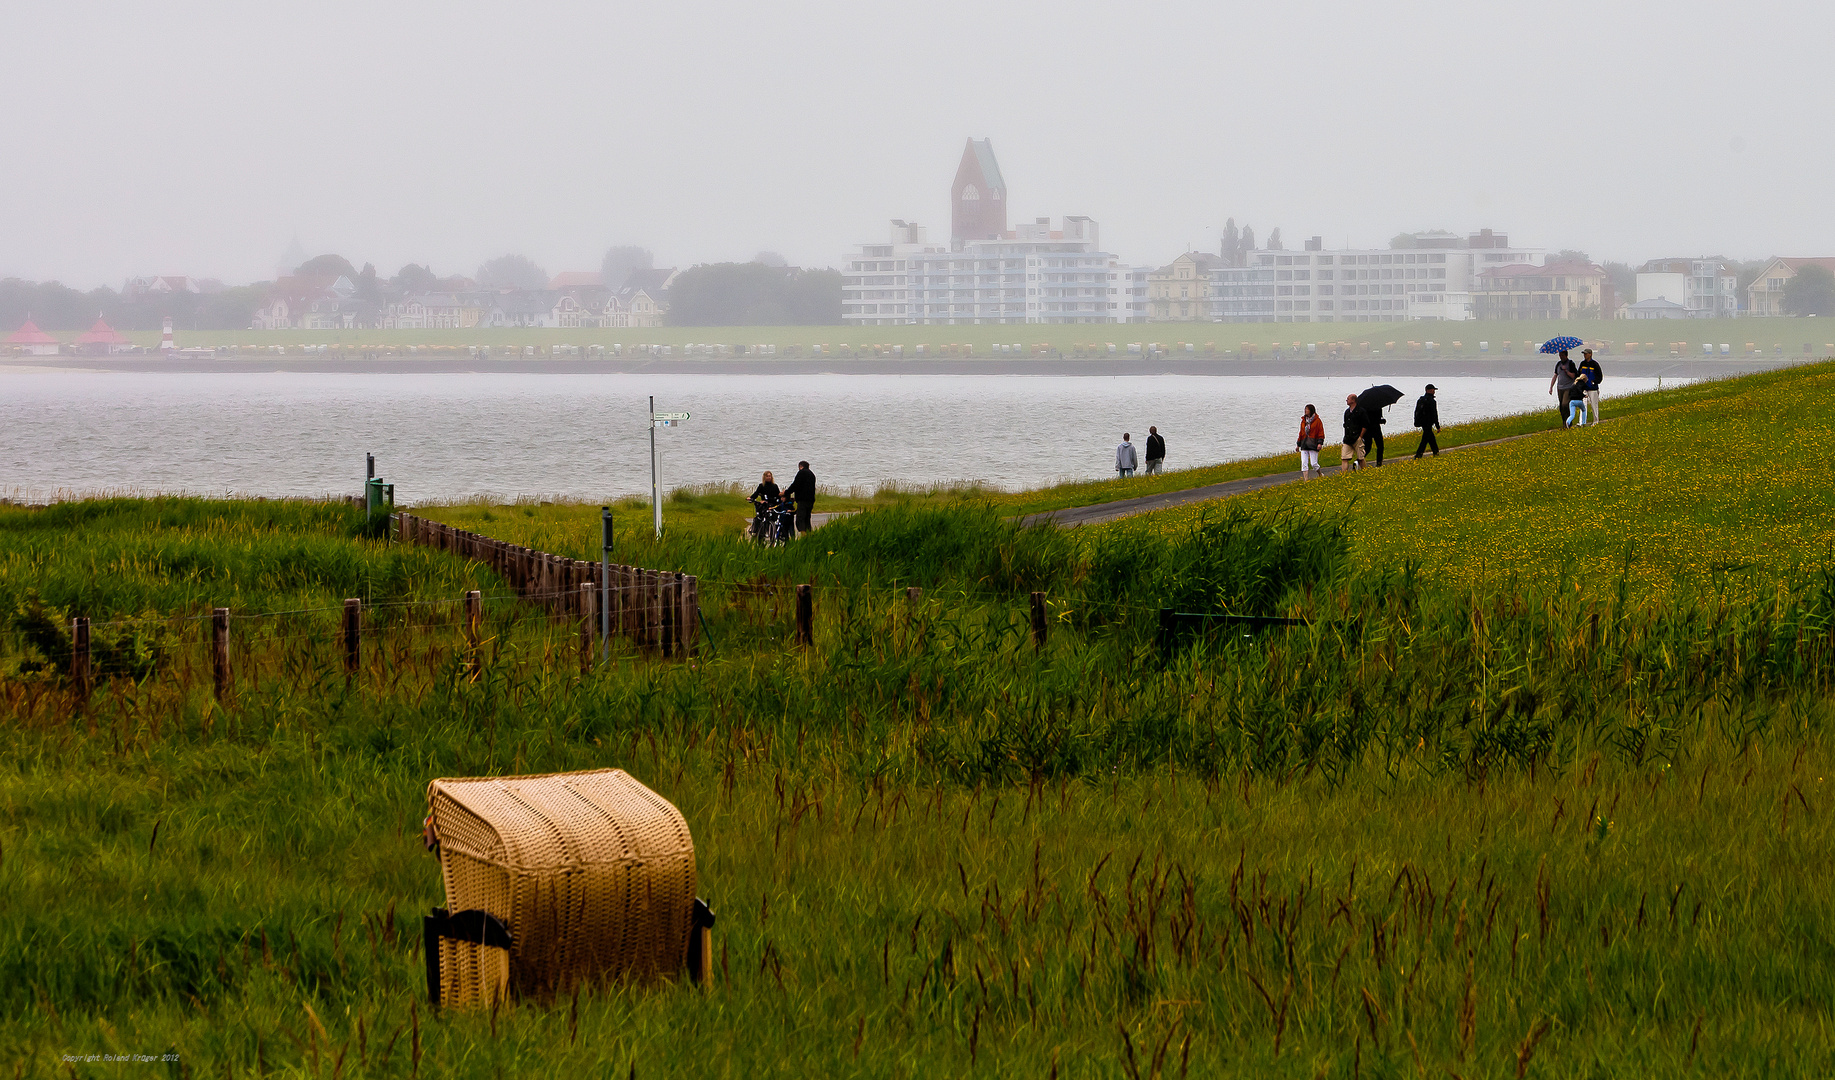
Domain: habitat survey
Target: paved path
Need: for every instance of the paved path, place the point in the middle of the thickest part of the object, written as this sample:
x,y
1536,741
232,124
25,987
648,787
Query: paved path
x,y
1071,517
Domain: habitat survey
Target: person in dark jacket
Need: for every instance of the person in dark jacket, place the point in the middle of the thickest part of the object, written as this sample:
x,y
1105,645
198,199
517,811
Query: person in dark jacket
x,y
1590,368
1427,418
1373,434
763,497
765,492
1156,450
802,490
1351,456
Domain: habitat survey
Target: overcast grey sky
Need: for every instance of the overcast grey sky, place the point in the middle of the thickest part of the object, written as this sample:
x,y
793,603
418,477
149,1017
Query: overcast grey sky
x,y
201,138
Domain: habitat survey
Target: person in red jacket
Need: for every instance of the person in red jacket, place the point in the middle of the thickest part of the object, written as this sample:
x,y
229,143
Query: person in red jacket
x,y
1312,437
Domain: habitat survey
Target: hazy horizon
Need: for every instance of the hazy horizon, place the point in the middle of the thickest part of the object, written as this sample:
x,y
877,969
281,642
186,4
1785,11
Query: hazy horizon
x,y
202,139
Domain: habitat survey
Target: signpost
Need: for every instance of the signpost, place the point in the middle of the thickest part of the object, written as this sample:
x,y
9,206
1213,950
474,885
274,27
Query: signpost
x,y
665,419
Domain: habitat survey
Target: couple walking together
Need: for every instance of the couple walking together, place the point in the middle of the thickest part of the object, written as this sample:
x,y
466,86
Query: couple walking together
x,y
1578,386
1156,454
1363,433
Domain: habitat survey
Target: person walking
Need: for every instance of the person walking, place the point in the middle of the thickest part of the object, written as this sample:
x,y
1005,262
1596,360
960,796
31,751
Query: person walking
x,y
1312,437
1427,418
1563,381
1590,368
1156,451
1373,435
802,491
1124,457
1351,456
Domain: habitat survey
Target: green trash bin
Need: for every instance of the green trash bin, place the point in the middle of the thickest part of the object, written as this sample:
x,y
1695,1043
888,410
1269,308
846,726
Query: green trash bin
x,y
373,497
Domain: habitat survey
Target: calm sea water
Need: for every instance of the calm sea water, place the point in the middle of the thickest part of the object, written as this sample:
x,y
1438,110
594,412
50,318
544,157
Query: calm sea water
x,y
448,436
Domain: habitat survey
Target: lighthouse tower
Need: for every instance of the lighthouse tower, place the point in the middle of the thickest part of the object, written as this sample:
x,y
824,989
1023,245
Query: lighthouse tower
x,y
166,344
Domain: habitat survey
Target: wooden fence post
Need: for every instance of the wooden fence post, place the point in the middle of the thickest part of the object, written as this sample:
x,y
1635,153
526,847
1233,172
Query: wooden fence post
x,y
652,609
629,607
621,590
353,630
219,650
79,655
691,614
672,613
1038,621
586,627
805,616
474,619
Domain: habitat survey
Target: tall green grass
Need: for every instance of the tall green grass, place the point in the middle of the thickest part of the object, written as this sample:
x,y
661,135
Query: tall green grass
x,y
1526,831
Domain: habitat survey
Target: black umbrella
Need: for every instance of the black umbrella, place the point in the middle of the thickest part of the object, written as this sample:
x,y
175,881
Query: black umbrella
x,y
1379,397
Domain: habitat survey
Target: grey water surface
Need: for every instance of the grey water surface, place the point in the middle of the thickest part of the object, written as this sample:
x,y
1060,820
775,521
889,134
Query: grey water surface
x,y
584,436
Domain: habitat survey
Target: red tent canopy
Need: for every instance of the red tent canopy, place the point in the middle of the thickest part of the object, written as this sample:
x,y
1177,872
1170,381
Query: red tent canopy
x,y
102,334
31,335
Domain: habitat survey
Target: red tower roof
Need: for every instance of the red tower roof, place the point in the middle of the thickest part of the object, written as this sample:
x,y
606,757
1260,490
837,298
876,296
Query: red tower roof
x,y
28,334
102,334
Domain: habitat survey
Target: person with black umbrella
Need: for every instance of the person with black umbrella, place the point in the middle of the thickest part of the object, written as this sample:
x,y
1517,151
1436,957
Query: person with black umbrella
x,y
1373,401
1427,418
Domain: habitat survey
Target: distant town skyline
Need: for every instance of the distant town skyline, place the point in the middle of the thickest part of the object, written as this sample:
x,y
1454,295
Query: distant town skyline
x,y
404,134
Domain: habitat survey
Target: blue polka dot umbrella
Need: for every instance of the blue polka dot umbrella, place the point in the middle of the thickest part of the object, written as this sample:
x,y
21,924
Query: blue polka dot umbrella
x,y
1556,344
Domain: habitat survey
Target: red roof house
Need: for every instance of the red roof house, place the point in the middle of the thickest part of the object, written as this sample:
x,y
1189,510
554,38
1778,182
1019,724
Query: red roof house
x,y
102,340
33,341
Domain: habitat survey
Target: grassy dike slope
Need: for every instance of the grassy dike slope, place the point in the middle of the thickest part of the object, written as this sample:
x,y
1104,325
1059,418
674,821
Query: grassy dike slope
x,y
1718,485
1476,832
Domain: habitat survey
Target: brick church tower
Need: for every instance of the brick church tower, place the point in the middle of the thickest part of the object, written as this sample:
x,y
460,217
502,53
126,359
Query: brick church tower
x,y
978,198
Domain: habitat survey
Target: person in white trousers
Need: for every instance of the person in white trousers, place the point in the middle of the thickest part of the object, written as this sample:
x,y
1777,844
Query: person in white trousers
x,y
1124,457
1312,437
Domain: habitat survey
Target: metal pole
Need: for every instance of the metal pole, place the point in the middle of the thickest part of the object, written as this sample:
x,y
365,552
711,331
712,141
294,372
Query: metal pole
x,y
605,581
656,506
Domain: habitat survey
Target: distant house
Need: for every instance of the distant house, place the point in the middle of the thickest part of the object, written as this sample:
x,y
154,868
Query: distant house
x,y
643,301
32,341
1654,308
1180,290
567,311
519,308
307,303
1765,296
435,311
1559,290
102,340
1707,288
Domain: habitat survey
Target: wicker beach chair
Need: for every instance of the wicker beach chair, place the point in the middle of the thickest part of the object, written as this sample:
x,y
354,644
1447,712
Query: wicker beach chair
x,y
555,879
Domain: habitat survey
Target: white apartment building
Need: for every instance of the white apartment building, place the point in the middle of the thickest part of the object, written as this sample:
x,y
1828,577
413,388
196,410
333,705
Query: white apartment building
x,y
1430,281
1706,288
1034,274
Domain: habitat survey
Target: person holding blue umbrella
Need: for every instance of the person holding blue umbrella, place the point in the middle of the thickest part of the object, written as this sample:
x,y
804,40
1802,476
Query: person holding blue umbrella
x,y
1565,371
1563,381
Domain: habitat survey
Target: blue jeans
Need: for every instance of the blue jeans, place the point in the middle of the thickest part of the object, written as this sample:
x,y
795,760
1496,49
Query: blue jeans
x,y
1577,411
1125,473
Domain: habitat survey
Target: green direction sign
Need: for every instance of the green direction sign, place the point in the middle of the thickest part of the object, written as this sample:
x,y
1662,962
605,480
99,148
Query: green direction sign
x,y
669,417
